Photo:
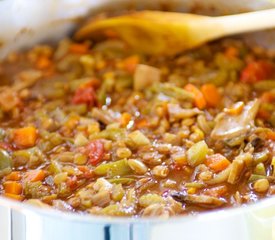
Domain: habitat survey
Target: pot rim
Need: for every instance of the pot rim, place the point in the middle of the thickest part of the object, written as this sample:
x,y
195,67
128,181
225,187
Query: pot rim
x,y
92,219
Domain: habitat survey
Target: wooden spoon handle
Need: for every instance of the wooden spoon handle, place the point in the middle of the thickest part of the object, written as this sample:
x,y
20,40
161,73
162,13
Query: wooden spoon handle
x,y
247,22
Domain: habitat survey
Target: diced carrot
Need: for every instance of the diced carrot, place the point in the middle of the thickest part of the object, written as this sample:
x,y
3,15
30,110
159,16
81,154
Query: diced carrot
x,y
217,162
130,63
13,187
79,48
13,176
94,82
83,168
216,191
25,137
256,71
199,100
87,172
211,94
14,196
270,135
231,52
141,123
125,119
43,63
35,175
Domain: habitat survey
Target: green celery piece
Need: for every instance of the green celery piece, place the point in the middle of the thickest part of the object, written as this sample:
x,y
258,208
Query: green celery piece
x,y
255,177
175,92
124,181
113,134
112,169
197,153
5,160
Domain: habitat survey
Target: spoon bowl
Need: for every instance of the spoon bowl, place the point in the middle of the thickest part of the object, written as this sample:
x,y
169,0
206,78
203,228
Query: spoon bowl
x,y
168,33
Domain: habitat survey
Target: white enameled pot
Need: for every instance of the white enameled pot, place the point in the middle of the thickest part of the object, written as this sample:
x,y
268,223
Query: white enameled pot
x,y
26,22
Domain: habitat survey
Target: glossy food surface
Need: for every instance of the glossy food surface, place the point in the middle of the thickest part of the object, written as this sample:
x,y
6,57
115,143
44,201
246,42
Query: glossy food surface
x,y
96,129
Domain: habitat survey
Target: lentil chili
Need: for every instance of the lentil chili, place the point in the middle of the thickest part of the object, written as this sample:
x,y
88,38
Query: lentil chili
x,y
92,128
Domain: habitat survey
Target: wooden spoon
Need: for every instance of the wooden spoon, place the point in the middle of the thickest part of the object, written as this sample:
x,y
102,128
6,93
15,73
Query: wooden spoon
x,y
167,33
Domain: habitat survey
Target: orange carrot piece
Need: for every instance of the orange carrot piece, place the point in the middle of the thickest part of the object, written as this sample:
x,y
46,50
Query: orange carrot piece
x,y
125,119
140,123
87,173
94,82
131,63
79,48
13,187
217,162
35,175
211,94
231,52
25,137
14,196
270,135
83,168
43,63
13,176
199,100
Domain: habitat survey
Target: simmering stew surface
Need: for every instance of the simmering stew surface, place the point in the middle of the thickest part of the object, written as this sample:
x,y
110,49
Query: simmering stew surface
x,y
96,129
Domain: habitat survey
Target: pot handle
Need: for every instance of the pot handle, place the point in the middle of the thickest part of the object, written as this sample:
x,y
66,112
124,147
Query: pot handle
x,y
5,223
261,223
